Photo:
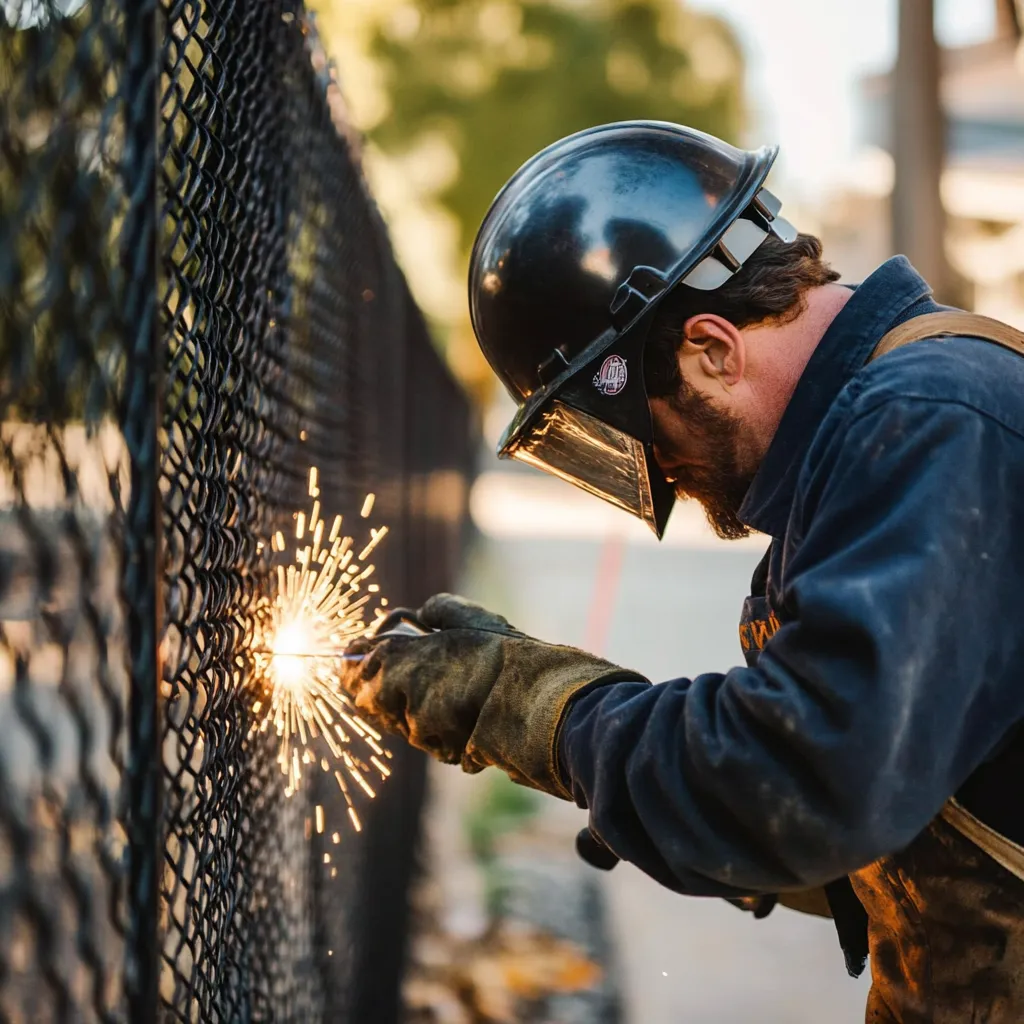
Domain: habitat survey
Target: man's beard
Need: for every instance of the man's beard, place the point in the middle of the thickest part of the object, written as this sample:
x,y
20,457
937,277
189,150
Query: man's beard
x,y
721,486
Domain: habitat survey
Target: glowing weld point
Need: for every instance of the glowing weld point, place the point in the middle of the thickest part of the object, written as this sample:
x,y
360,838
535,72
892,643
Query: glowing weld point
x,y
316,612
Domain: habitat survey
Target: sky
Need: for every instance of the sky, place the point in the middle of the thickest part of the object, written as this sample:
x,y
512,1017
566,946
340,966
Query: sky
x,y
803,60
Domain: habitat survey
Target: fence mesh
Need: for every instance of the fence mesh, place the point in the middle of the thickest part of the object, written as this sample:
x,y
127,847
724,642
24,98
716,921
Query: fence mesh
x,y
198,302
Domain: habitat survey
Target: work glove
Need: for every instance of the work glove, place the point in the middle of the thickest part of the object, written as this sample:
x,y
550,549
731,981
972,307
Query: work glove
x,y
476,692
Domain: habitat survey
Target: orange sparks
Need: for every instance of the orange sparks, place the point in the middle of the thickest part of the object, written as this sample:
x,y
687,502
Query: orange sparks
x,y
318,609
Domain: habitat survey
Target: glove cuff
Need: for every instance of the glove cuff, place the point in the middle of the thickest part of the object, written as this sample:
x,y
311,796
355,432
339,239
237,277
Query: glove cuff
x,y
518,727
554,781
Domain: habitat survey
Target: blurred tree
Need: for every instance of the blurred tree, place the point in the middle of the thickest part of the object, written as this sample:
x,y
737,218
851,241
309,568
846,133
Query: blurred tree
x,y
469,89
499,80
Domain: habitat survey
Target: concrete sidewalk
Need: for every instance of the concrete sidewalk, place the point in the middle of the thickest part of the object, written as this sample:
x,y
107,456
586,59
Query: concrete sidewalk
x,y
666,611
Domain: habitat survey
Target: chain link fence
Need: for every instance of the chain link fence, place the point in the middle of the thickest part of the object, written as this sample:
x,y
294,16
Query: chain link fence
x,y
198,303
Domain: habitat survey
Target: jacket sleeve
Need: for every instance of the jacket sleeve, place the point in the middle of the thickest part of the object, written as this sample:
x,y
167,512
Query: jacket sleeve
x,y
890,679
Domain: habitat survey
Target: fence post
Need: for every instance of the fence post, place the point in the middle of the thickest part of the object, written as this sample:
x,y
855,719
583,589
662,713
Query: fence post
x,y
140,422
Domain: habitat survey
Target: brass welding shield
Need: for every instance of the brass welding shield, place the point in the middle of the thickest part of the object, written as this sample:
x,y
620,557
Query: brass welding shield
x,y
568,269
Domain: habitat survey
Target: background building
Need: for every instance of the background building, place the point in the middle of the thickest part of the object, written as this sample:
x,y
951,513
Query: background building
x,y
982,182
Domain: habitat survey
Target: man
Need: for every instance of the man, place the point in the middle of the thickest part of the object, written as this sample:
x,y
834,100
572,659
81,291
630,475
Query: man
x,y
666,333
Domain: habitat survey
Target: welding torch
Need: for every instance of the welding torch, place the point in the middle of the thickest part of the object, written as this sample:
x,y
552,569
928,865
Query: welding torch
x,y
398,623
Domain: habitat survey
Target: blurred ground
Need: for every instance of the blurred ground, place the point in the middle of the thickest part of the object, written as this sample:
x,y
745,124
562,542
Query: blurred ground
x,y
666,610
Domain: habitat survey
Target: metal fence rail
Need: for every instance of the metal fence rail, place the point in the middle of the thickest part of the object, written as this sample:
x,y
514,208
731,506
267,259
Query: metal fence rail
x,y
198,302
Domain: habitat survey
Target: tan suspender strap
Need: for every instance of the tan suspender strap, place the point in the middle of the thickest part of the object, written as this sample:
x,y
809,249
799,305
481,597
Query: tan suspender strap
x,y
1002,850
932,325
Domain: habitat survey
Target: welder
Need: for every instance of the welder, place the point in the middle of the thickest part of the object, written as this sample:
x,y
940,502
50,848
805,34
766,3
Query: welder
x,y
667,334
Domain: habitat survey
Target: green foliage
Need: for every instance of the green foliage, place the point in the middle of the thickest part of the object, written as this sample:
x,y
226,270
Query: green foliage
x,y
502,808
500,80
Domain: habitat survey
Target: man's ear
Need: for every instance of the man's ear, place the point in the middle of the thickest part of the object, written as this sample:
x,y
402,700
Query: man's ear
x,y
715,347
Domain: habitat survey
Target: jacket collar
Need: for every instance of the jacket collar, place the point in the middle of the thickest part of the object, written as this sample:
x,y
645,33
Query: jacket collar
x,y
895,292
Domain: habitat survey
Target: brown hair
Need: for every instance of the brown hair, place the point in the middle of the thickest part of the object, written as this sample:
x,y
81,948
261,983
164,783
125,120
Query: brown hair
x,y
769,287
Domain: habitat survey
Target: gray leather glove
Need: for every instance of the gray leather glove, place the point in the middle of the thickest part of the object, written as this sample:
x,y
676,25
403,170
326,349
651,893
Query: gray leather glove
x,y
477,692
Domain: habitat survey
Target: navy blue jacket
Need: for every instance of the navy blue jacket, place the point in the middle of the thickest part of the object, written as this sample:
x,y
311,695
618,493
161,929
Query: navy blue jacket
x,y
886,651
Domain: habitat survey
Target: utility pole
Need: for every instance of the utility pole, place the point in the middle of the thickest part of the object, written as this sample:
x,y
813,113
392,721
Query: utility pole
x,y
1007,19
918,147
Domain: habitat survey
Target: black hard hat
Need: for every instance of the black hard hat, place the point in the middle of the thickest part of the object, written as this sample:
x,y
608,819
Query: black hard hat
x,y
571,261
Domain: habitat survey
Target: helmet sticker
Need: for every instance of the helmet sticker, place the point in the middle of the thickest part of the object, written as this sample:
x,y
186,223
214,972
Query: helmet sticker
x,y
612,376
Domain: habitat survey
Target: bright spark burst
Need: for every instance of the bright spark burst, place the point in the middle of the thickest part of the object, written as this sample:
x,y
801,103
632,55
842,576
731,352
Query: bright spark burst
x,y
319,608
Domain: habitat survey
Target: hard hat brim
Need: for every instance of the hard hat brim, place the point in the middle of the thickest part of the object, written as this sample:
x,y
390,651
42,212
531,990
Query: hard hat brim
x,y
591,425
